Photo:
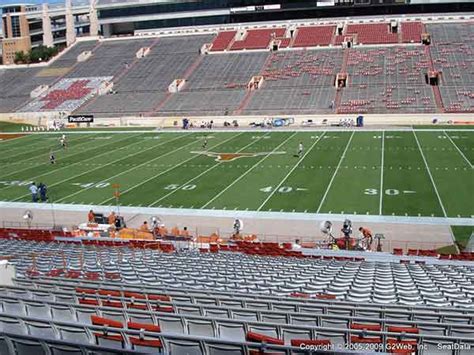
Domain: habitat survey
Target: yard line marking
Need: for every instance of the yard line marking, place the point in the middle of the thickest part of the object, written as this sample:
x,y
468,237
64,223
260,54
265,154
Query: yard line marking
x,y
247,172
204,172
88,171
459,150
381,174
76,163
48,163
290,172
21,146
28,148
122,158
335,173
429,173
165,171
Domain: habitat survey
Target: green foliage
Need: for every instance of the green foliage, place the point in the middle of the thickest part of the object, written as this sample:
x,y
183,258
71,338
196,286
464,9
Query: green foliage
x,y
462,234
36,55
21,57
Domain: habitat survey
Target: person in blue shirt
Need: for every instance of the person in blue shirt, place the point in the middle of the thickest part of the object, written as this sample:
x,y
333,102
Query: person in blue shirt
x,y
43,190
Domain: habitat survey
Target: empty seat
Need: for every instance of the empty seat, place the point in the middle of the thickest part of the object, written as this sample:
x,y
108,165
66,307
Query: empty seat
x,y
56,349
28,347
42,330
110,340
12,325
200,328
74,334
290,334
231,331
177,347
218,349
63,314
38,310
5,345
171,325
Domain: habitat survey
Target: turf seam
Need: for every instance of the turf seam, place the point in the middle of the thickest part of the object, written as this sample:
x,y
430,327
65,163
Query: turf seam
x,y
247,172
459,150
430,175
381,174
163,172
121,158
290,172
66,157
203,173
335,172
37,156
73,164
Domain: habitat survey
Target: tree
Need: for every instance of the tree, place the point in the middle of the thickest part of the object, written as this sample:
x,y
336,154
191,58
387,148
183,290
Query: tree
x,y
21,57
42,53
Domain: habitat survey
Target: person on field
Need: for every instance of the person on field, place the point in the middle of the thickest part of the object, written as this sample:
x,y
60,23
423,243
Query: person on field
x,y
34,192
63,141
204,145
300,149
91,217
52,158
43,191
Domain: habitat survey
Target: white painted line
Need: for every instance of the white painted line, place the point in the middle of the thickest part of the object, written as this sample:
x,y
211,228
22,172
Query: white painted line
x,y
202,173
335,173
459,150
122,172
165,171
431,176
381,174
73,164
29,148
239,130
247,172
290,172
48,163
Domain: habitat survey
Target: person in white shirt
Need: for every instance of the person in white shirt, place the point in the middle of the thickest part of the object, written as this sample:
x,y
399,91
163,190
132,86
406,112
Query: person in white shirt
x,y
63,141
296,245
300,150
34,192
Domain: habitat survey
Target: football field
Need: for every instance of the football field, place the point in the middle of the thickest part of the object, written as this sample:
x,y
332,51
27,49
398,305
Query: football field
x,y
390,173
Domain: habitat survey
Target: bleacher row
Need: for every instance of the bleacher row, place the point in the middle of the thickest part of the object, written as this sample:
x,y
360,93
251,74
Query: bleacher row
x,y
355,280
314,36
70,297
381,79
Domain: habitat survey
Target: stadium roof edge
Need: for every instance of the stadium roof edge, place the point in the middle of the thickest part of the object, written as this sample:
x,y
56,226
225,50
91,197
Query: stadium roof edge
x,y
454,17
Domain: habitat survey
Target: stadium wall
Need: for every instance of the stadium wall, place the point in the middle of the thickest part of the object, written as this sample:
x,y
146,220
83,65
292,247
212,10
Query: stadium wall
x,y
42,118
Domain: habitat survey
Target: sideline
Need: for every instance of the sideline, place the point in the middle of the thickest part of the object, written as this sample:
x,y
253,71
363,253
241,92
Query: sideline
x,y
290,216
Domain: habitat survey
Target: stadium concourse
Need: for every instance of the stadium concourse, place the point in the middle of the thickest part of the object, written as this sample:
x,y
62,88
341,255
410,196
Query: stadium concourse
x,y
235,237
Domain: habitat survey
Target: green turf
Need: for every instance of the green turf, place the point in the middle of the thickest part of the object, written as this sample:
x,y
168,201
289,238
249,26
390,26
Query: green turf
x,y
424,173
108,129
443,127
447,250
11,126
462,235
